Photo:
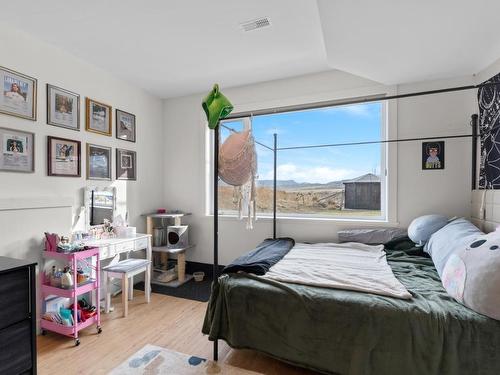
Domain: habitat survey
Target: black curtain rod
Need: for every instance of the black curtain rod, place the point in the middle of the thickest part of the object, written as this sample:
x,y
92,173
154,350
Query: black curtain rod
x,y
375,142
366,99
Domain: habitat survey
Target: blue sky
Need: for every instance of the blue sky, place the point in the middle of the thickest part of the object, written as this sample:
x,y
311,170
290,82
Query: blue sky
x,y
353,123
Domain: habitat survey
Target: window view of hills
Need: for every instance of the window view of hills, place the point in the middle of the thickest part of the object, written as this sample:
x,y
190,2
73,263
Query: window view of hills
x,y
303,198
321,170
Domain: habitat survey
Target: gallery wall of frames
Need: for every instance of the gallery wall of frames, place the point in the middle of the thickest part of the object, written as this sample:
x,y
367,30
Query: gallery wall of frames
x,y
53,129
64,154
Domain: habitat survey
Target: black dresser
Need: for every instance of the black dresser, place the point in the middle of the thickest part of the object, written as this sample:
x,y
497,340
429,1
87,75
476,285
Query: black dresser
x,y
17,317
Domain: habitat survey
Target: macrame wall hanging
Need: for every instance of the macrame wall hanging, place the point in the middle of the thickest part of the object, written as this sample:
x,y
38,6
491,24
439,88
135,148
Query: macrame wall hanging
x,y
489,128
238,168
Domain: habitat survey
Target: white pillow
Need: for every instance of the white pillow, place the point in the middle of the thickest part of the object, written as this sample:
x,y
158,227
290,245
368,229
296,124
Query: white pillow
x,y
422,228
472,275
454,236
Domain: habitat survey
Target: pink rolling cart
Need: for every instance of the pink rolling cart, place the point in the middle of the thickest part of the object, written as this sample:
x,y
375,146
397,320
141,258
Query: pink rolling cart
x,y
92,285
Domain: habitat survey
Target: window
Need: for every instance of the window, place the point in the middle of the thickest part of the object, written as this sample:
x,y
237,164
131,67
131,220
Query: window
x,y
347,180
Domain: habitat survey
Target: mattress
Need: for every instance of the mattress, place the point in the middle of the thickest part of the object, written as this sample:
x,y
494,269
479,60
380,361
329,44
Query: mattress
x,y
347,332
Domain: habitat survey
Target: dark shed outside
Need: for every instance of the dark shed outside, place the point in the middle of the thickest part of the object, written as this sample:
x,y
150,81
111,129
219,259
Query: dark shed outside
x,y
363,193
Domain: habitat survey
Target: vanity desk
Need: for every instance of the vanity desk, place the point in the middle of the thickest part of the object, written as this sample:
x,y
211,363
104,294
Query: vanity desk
x,y
110,247
100,206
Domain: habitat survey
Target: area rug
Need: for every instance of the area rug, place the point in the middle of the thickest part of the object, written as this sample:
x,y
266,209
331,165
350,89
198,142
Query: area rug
x,y
153,360
196,291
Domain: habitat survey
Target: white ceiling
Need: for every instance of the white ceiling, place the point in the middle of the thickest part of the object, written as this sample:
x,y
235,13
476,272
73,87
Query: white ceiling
x,y
178,47
399,41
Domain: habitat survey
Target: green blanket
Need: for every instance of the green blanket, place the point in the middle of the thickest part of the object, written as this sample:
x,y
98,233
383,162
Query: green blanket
x,y
346,332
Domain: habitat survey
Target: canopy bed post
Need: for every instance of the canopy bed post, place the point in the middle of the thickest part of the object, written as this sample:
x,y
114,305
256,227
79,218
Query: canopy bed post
x,y
216,107
474,119
275,154
216,219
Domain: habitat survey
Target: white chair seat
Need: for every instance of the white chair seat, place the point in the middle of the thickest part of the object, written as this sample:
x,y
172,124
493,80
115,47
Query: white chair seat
x,y
127,265
124,270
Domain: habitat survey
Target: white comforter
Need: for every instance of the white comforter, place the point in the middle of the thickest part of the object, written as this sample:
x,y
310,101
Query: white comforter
x,y
351,266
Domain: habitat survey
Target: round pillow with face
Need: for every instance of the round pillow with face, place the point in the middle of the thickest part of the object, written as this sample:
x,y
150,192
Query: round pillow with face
x,y
472,275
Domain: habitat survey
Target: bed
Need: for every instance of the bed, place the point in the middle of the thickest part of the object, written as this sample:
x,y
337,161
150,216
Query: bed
x,y
347,332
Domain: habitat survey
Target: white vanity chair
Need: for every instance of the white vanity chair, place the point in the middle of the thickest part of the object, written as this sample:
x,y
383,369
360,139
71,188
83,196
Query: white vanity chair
x,y
126,270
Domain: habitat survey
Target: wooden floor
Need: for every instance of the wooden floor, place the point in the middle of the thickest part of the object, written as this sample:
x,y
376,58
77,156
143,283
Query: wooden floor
x,y
169,322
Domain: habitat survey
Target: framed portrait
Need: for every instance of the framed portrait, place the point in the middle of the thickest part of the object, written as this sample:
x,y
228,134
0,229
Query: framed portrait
x,y
432,155
17,151
98,162
126,165
125,125
63,157
98,116
63,108
18,97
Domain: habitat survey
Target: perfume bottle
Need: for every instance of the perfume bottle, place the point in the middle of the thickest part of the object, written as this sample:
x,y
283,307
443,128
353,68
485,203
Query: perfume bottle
x,y
66,279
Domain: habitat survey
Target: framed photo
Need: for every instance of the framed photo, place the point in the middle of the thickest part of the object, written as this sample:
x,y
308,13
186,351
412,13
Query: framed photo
x,y
63,157
17,151
63,108
98,162
126,165
432,155
125,125
98,117
18,96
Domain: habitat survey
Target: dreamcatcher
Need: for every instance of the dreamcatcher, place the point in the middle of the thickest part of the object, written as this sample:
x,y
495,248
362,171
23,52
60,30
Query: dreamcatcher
x,y
238,168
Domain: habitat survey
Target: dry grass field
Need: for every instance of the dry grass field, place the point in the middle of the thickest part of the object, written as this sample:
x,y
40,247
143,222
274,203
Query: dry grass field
x,y
328,202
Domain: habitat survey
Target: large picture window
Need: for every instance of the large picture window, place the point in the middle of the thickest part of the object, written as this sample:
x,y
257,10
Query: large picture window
x,y
346,180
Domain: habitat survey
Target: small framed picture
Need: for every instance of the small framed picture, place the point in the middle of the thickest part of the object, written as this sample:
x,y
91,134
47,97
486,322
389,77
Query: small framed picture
x,y
63,108
98,116
432,155
98,162
63,157
17,151
18,97
125,125
126,165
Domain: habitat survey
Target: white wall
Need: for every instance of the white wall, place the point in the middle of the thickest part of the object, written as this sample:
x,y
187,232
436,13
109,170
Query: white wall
x,y
441,191
417,191
22,230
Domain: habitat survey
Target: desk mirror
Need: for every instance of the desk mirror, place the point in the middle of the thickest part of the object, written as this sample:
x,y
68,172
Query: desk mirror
x,y
100,204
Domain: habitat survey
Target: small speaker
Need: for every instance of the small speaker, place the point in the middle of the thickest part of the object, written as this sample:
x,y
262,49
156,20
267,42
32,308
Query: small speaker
x,y
177,236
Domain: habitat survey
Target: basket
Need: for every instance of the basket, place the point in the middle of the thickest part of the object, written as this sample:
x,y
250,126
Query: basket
x,y
198,276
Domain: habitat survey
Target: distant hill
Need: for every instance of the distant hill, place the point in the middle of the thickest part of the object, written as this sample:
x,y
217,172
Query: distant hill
x,y
292,184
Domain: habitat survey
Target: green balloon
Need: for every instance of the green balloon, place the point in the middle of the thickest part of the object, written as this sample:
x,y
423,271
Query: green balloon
x,y
216,107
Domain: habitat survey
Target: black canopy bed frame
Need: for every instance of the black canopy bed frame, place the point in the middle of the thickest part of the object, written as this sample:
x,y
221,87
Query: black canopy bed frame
x,y
474,135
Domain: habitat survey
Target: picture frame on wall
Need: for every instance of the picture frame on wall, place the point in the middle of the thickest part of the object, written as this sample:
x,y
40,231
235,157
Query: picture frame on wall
x,y
125,125
18,95
126,164
63,157
98,117
17,151
63,108
98,162
433,156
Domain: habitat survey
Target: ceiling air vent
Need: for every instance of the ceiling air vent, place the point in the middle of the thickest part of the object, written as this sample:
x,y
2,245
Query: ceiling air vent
x,y
258,23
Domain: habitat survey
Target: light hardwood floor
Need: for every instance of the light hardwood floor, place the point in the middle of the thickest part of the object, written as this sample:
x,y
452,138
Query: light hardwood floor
x,y
169,322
